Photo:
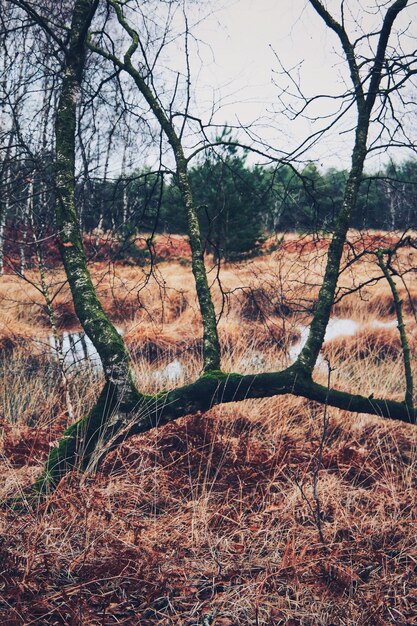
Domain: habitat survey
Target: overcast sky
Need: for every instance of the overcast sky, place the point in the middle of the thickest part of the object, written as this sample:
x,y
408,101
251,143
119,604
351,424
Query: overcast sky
x,y
241,71
238,57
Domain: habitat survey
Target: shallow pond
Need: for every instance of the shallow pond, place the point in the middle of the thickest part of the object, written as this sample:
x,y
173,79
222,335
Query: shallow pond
x,y
78,349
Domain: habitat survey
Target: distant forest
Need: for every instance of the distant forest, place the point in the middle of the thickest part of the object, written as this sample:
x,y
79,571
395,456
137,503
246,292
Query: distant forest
x,y
239,204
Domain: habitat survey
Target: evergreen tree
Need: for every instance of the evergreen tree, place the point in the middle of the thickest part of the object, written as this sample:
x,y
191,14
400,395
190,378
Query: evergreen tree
x,y
232,200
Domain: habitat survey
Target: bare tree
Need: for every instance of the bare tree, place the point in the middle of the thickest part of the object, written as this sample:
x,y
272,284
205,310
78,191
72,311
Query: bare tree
x,y
121,409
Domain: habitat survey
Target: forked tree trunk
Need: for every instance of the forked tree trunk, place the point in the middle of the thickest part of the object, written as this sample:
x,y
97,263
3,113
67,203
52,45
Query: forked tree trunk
x,y
121,410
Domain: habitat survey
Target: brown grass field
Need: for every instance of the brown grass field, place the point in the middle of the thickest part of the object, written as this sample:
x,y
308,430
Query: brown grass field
x,y
215,519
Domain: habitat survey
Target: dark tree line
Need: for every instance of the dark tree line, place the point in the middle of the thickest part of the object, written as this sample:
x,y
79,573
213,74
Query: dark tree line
x,y
239,205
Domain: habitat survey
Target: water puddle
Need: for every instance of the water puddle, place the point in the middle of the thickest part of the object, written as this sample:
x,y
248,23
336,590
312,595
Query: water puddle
x,y
171,373
337,327
79,351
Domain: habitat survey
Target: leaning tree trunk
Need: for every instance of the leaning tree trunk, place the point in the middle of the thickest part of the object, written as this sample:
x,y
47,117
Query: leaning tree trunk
x,y
119,390
211,345
364,103
309,354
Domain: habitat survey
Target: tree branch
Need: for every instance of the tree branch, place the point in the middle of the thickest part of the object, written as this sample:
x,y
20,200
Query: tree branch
x,y
388,22
112,421
401,329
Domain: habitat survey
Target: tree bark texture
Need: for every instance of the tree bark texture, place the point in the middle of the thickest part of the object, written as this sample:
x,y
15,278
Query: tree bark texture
x,y
121,410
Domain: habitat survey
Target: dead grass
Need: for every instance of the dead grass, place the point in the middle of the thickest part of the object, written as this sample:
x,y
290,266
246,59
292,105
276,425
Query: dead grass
x,y
375,344
282,284
206,517
210,520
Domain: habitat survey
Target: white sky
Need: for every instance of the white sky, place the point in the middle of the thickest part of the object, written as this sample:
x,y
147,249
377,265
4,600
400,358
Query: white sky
x,y
239,65
237,79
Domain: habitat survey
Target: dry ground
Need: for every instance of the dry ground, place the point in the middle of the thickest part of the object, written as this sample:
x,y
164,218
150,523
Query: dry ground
x,y
215,519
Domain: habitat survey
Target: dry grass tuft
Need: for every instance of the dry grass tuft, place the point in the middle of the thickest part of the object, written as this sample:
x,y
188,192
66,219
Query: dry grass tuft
x,y
212,519
206,517
374,344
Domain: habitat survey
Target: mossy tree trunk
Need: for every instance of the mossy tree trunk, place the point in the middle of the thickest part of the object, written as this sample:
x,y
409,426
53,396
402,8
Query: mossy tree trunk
x,y
409,382
121,410
365,101
88,440
308,356
211,345
119,393
102,333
